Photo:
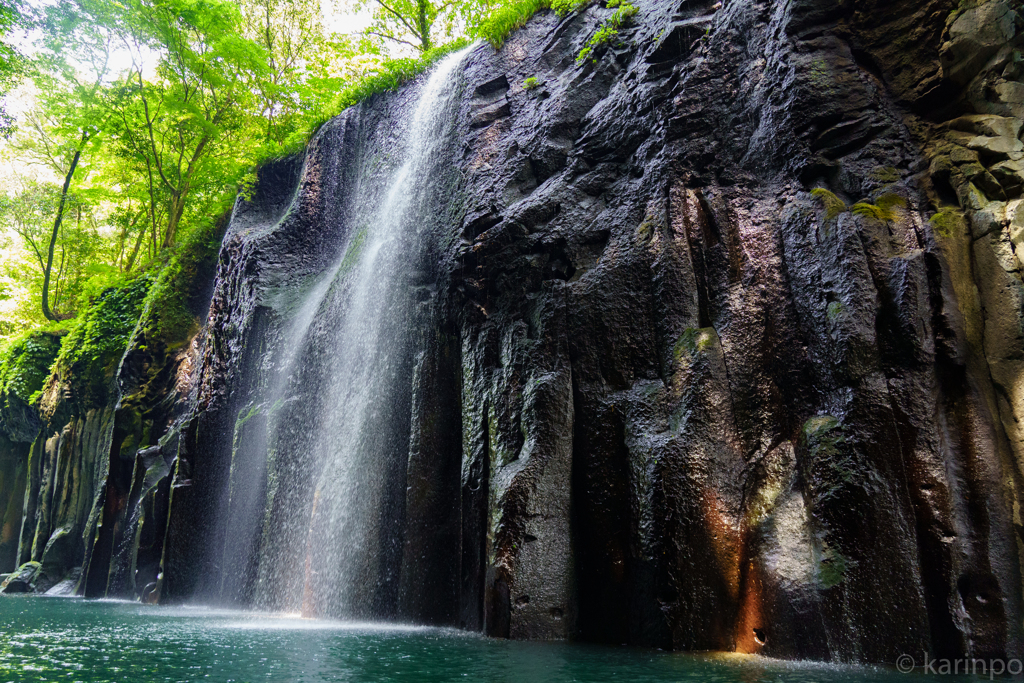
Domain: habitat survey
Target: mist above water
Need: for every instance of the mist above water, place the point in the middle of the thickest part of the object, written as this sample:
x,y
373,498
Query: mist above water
x,y
318,470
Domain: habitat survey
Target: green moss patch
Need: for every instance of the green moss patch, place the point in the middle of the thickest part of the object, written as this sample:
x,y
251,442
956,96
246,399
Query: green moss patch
x,y
948,223
832,203
354,251
93,347
169,318
883,209
832,567
885,174
693,340
25,362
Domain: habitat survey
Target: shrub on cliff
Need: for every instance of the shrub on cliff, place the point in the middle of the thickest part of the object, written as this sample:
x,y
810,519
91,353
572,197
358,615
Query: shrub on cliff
x,y
96,340
25,362
169,313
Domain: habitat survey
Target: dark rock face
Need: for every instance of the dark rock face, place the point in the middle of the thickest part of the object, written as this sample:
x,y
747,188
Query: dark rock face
x,y
697,411
84,478
660,393
712,416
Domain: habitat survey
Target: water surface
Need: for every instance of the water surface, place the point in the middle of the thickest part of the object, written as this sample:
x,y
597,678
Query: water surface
x,y
66,639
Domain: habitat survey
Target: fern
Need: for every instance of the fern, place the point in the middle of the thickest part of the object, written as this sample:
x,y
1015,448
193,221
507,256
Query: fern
x,y
833,204
622,16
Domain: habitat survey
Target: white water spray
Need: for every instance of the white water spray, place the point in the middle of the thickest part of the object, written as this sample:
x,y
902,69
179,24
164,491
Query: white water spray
x,y
330,552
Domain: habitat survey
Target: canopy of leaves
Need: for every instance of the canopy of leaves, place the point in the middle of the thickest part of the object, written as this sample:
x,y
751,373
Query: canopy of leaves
x,y
11,60
147,118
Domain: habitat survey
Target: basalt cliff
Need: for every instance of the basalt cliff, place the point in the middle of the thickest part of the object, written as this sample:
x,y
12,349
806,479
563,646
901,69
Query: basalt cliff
x,y
710,340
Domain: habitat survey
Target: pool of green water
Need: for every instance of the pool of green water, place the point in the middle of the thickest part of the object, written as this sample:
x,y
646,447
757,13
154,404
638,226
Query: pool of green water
x,y
63,639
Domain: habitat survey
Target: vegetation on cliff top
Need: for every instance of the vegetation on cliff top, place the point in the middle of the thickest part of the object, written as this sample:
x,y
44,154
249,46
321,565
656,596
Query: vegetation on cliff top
x,y
140,120
25,361
95,342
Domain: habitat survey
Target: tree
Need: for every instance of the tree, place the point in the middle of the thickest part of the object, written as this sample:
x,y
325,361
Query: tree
x,y
11,61
210,87
29,215
306,68
69,118
292,35
421,24
190,127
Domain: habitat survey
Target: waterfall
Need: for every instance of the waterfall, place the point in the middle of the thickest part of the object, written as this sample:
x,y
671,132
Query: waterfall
x,y
317,494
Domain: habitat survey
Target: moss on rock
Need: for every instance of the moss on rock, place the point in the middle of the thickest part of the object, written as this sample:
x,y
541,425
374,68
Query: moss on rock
x,y
170,314
90,352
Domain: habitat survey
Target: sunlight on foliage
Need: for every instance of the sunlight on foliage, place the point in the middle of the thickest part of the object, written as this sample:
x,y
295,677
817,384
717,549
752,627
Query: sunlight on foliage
x,y
507,18
511,15
148,117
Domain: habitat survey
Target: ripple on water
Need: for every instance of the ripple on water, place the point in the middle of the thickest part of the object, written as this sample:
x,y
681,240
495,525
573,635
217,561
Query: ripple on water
x,y
92,641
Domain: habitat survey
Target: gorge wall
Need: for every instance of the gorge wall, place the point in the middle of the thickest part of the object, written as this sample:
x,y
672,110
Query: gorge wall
x,y
654,390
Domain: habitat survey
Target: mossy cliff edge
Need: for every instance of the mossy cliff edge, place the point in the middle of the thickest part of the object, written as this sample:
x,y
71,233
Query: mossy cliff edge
x,y
80,401
719,345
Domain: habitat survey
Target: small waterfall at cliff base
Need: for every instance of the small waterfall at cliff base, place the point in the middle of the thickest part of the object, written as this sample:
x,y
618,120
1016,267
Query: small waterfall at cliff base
x,y
316,493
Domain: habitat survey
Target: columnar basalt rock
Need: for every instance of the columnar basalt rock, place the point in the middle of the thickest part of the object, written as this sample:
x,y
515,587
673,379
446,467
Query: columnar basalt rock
x,y
790,433
660,393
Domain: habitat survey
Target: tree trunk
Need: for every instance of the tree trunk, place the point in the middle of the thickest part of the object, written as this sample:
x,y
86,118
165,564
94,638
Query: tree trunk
x,y
135,251
424,26
176,209
47,313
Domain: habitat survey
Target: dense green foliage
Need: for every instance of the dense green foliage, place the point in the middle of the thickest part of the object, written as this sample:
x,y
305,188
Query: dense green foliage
x,y
25,361
142,121
102,331
11,61
507,17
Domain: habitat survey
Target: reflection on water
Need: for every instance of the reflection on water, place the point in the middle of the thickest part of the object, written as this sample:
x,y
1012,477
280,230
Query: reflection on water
x,y
59,639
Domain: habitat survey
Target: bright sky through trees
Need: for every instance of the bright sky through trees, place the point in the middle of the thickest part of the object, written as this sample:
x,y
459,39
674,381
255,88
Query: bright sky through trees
x,y
133,124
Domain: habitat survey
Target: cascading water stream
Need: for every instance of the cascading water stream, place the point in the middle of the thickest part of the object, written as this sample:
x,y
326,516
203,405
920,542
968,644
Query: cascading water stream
x,y
336,409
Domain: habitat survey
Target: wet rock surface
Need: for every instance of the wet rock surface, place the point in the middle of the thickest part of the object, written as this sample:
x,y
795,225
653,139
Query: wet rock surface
x,y
706,413
660,393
